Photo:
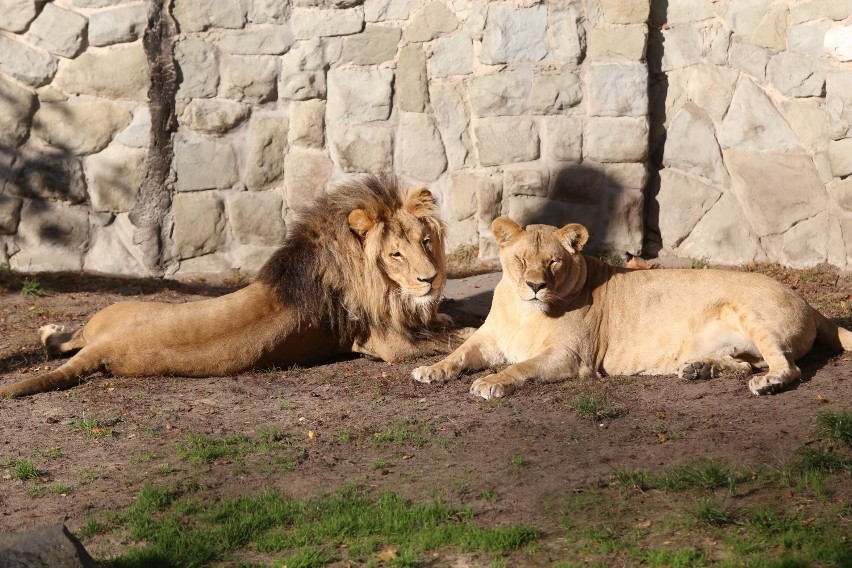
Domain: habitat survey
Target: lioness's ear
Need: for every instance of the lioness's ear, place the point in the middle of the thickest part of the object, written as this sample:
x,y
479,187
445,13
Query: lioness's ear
x,y
420,203
361,222
572,236
505,230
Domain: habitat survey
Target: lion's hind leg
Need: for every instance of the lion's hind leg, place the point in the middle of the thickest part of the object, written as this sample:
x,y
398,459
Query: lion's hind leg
x,y
59,342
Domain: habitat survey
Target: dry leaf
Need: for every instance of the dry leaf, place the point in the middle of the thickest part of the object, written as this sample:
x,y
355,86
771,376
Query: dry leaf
x,y
662,437
643,524
637,262
788,495
387,555
822,399
312,435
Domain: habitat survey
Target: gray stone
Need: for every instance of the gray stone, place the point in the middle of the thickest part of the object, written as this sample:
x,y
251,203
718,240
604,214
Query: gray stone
x,y
27,65
16,110
10,214
712,87
58,30
367,149
526,181
514,35
307,124
625,11
453,56
452,116
777,190
46,547
676,94
567,34
47,224
432,20
46,259
525,210
840,154
749,58
411,93
93,73
811,10
624,229
198,223
114,177
255,218
717,38
823,166
199,67
808,119
554,92
376,44
267,147
420,152
506,140
806,244
683,200
249,79
617,90
580,183
616,139
624,44
306,176
359,95
213,116
499,94
797,75
842,193
200,15
82,128
119,25
752,122
113,251
97,3
383,10
311,23
681,12
691,145
461,197
628,175
489,198
47,174
270,11
808,37
564,141
743,16
213,268
838,102
301,85
202,163
272,40
138,132
16,15
838,43
682,47
724,224
772,31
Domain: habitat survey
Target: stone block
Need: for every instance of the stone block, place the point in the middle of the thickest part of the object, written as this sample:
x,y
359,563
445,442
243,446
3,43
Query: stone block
x,y
681,12
808,38
271,40
683,45
256,218
383,10
616,139
10,214
213,116
840,154
526,210
624,228
376,44
579,183
461,197
836,10
47,174
489,204
805,245
307,124
411,89
93,73
198,223
625,11
113,251
717,39
711,87
838,102
356,95
267,146
358,148
16,111
453,55
691,145
203,163
514,35
16,15
567,34
808,119
526,181
502,141
47,224
554,92
452,115
564,140
628,175
499,94
797,75
58,30
624,44
307,173
311,23
683,200
838,43
119,25
753,122
771,32
617,90
199,68
114,177
270,11
138,132
27,65
81,128
201,15
249,79
420,152
301,85
432,20
748,58
743,16
841,192
723,224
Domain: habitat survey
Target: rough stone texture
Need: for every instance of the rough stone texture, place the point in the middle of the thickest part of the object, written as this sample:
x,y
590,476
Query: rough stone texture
x,y
306,124
112,250
359,95
808,119
269,11
267,146
10,214
452,116
16,110
93,73
249,79
45,224
506,140
461,198
564,141
198,223
838,102
812,9
749,58
420,152
625,11
753,122
499,94
16,15
306,176
273,40
213,116
841,192
840,154
200,15
46,547
797,75
126,23
627,175
255,218
28,65
616,139
722,225
382,10
489,198
838,43
692,147
617,90
625,44
772,30
44,174
526,181
808,37
58,30
712,87
804,245
81,128
453,56
624,229
681,12
362,148
682,47
375,45
526,210
114,177
432,20
202,163
411,90
199,67
684,199
514,35
554,92
718,40
567,34
743,16
138,132
311,23
302,75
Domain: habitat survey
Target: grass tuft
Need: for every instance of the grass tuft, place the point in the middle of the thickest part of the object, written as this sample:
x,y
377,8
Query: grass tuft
x,y
23,469
837,426
588,406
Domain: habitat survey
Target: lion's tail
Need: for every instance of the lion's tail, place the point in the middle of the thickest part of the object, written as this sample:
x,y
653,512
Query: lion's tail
x,y
831,335
71,373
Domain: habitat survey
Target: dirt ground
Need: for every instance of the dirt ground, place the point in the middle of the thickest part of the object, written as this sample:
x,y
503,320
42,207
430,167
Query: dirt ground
x,y
511,460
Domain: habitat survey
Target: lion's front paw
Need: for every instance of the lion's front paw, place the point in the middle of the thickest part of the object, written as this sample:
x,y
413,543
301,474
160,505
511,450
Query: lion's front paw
x,y
433,374
492,386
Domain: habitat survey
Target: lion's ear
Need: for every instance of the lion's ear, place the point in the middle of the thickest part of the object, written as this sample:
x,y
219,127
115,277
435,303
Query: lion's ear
x,y
572,236
505,230
420,203
361,222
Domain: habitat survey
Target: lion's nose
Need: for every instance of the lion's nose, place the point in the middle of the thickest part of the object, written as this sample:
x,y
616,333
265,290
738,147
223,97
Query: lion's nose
x,y
536,286
428,279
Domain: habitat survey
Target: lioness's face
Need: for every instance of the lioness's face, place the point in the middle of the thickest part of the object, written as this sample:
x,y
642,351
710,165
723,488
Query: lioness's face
x,y
539,259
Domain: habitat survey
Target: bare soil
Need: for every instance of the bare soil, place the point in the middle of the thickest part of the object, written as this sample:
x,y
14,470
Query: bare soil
x,y
512,460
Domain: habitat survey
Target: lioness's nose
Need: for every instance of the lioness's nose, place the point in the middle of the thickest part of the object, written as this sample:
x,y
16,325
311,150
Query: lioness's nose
x,y
428,279
536,286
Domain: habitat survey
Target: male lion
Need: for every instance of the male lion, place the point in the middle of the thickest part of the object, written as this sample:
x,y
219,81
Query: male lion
x,y
362,270
558,314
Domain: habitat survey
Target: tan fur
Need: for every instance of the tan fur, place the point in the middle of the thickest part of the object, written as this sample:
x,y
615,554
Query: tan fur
x,y
558,314
361,271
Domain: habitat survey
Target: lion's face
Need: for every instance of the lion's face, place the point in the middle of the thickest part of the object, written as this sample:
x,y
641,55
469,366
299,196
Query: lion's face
x,y
543,261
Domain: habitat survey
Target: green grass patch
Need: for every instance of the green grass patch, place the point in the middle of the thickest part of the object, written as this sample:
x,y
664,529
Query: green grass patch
x,y
837,426
199,449
31,287
22,469
588,406
92,428
703,474
403,432
709,512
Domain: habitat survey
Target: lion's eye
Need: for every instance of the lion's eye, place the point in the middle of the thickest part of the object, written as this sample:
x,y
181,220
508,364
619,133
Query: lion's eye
x,y
554,262
427,241
396,254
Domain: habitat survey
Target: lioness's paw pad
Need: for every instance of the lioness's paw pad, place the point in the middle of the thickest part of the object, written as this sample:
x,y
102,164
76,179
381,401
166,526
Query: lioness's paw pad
x,y
698,370
766,385
431,374
491,387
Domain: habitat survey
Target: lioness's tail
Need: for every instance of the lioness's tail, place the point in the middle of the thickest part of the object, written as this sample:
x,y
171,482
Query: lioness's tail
x,y
71,373
831,335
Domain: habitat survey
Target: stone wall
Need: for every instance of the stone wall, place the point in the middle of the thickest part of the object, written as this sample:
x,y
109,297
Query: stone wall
x,y
180,138
752,130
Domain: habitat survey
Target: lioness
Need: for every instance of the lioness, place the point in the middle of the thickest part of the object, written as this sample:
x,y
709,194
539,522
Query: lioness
x,y
558,314
362,270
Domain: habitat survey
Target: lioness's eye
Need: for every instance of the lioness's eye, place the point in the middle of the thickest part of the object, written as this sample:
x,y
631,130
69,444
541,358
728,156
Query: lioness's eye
x,y
396,254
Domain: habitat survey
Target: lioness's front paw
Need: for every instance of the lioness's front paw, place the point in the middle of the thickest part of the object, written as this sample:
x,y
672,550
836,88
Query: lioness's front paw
x,y
46,331
766,384
433,374
492,386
